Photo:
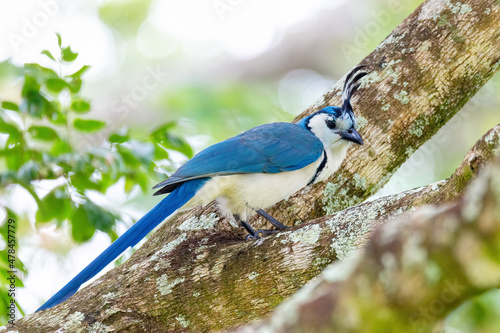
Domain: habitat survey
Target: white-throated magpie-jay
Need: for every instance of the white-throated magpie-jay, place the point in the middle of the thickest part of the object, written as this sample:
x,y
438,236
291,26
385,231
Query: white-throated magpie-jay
x,y
278,157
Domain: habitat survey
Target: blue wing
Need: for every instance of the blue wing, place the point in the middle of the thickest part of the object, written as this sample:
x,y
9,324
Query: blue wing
x,y
269,148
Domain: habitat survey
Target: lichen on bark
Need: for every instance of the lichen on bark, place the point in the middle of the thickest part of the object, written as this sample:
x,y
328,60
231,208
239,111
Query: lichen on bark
x,y
411,274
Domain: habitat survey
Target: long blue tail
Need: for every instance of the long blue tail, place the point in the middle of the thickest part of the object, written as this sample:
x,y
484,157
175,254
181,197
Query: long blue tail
x,y
132,236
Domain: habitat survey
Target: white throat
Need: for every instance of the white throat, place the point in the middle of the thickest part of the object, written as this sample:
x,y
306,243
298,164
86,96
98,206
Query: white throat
x,y
335,146
335,156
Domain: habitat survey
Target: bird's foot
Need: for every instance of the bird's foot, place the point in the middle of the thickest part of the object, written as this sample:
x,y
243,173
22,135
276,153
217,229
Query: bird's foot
x,y
252,234
265,232
253,237
268,232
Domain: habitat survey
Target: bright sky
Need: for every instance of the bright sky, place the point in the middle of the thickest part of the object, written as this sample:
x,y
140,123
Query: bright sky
x,y
244,29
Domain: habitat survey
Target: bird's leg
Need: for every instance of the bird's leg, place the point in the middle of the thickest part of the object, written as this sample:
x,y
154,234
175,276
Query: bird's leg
x,y
278,225
248,228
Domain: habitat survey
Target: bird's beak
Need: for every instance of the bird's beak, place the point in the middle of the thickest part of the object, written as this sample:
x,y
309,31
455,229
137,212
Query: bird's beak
x,y
352,135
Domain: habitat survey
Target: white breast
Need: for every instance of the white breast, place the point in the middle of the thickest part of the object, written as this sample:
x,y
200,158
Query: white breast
x,y
244,193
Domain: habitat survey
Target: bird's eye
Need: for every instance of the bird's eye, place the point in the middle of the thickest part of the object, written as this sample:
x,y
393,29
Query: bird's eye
x,y
330,123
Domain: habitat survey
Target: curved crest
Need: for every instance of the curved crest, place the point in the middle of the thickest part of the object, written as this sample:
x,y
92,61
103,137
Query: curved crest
x,y
351,85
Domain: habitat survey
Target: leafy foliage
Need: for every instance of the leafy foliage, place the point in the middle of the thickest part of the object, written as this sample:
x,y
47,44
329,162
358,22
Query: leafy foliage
x,y
9,265
44,132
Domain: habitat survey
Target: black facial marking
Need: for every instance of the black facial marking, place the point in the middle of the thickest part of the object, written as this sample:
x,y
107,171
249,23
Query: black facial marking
x,y
307,124
330,122
319,169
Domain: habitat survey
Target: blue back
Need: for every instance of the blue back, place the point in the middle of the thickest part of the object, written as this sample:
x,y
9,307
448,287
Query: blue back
x,y
269,148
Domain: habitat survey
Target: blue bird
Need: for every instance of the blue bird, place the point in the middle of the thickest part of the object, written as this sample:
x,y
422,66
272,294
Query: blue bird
x,y
245,174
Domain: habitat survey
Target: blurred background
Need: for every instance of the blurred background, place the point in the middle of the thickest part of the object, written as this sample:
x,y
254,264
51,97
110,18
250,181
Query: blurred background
x,y
215,68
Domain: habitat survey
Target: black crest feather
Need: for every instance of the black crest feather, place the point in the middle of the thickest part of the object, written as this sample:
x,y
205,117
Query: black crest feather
x,y
351,85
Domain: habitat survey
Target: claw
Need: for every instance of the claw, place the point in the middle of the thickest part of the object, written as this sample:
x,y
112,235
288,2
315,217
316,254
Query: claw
x,y
271,231
253,237
267,232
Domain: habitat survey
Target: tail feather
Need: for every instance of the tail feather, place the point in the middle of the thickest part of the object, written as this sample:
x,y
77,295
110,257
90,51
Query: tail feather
x,y
131,237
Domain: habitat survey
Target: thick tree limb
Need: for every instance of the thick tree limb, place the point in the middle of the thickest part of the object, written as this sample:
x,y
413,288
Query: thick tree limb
x,y
353,226
197,274
226,272
412,273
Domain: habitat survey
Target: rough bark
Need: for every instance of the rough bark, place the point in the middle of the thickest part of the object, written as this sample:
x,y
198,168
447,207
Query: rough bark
x,y
236,275
411,274
197,274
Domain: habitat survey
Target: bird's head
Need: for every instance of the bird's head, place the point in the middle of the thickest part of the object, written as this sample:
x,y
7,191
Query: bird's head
x,y
335,125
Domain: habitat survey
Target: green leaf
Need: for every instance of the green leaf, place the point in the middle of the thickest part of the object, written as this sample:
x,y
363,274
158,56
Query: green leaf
x,y
35,104
59,39
55,114
68,55
118,138
100,218
48,54
7,177
130,183
14,155
114,236
88,125
159,134
44,214
164,136
30,86
81,228
75,85
55,205
144,151
43,133
160,152
10,106
28,172
82,182
80,106
11,129
79,72
56,85
107,179
143,181
89,217
176,143
128,157
8,70
60,147
3,226
4,231
40,72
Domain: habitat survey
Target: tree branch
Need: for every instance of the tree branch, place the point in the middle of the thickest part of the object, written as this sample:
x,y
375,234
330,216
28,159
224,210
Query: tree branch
x,y
411,274
353,226
245,280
